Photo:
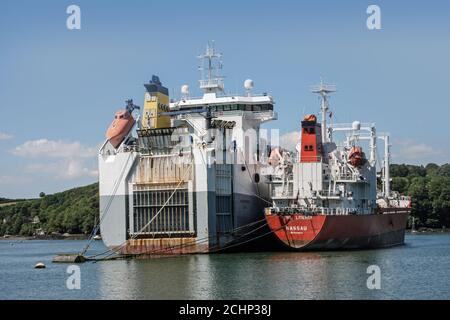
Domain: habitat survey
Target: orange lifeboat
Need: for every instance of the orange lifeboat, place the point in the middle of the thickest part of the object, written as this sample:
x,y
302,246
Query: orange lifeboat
x,y
310,118
122,124
356,157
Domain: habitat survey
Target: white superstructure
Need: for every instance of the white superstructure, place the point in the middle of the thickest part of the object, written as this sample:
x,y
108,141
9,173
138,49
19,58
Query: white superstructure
x,y
331,177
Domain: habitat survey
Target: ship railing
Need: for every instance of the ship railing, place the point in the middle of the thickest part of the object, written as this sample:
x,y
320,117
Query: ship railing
x,y
316,211
228,95
211,83
325,211
335,211
349,126
264,115
345,176
325,193
310,159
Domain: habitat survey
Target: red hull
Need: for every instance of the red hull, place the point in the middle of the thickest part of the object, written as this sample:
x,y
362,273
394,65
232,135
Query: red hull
x,y
327,232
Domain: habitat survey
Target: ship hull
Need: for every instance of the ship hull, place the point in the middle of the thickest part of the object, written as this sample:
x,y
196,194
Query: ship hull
x,y
300,232
248,224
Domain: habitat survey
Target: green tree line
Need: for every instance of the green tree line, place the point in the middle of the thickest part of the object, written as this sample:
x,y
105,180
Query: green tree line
x,y
429,189
73,211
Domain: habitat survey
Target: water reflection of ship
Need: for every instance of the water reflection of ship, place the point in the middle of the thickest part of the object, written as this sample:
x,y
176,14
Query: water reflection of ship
x,y
164,278
277,275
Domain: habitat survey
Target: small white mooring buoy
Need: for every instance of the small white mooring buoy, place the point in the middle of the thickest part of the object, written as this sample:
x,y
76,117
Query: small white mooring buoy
x,y
39,265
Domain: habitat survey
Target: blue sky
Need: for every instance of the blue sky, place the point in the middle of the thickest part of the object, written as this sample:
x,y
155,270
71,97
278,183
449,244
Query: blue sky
x,y
59,88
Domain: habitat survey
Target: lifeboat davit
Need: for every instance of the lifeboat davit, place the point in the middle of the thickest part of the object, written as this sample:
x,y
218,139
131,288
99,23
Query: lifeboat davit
x,y
356,157
122,124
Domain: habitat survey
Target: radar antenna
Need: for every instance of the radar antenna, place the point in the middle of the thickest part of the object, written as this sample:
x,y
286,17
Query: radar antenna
x,y
324,90
210,64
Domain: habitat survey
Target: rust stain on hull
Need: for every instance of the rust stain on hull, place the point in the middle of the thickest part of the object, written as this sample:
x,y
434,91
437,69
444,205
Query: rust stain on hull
x,y
164,246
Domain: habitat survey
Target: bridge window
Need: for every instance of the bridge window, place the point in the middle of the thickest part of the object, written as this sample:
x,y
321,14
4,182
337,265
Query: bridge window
x,y
243,107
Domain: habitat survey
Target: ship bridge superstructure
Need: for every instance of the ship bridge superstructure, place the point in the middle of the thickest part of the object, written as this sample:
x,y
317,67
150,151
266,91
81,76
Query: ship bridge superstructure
x,y
329,176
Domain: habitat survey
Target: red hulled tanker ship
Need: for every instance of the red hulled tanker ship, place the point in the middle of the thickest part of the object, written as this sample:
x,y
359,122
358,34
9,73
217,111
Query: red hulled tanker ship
x,y
326,197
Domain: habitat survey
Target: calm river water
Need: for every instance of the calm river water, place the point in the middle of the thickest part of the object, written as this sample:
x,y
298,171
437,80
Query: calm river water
x,y
418,270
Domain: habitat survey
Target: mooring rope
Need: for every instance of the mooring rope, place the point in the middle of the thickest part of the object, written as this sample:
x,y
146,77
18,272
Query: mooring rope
x,y
201,240
180,246
247,241
105,212
110,252
117,248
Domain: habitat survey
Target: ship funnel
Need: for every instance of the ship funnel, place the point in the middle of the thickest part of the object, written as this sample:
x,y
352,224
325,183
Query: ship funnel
x,y
156,102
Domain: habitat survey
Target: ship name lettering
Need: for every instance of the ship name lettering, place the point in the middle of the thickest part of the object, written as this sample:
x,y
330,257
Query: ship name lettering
x,y
297,228
303,217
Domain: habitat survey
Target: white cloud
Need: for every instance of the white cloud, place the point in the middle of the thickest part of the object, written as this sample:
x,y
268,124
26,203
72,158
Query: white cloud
x,y
64,169
290,140
408,150
58,159
53,149
5,136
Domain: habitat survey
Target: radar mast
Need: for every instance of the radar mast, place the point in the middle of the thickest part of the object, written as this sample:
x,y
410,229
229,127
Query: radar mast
x,y
210,65
324,90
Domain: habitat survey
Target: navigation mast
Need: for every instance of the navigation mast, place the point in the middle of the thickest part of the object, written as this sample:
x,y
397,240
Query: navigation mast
x,y
386,162
210,65
324,90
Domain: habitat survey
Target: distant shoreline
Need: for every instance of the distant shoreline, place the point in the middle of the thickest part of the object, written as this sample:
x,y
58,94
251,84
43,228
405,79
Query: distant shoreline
x,y
49,237
423,231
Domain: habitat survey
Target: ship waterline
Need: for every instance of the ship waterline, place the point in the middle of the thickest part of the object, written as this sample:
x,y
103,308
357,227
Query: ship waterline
x,y
175,233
